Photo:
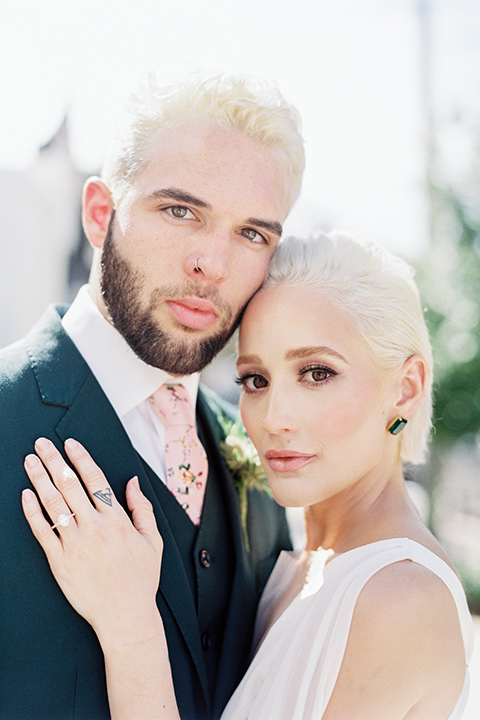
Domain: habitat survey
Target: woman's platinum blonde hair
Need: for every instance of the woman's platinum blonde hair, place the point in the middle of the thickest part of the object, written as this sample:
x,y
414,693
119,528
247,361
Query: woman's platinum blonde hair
x,y
252,106
378,292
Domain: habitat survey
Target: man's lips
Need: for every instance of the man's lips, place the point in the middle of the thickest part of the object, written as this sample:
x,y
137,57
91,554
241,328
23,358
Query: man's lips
x,y
287,460
193,312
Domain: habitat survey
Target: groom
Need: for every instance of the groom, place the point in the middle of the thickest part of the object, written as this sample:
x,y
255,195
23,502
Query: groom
x,y
183,224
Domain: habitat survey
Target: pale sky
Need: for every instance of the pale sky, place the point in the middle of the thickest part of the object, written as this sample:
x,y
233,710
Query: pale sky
x,y
352,67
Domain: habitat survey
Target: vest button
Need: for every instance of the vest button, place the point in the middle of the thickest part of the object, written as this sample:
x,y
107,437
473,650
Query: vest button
x,y
206,641
205,558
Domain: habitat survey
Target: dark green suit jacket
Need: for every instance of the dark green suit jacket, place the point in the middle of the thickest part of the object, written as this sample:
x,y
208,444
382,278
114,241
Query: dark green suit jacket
x,y
51,663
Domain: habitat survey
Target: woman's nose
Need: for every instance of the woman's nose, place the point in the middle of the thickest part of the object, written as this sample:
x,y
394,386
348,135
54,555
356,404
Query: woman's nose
x,y
279,415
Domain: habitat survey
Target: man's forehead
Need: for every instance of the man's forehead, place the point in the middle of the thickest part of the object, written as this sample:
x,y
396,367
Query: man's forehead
x,y
199,165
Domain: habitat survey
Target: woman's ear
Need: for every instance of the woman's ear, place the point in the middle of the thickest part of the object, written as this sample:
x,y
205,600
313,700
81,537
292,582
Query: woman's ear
x,y
411,386
97,208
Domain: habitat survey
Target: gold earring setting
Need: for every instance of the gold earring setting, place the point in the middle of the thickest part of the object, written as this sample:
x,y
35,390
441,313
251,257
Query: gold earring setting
x,y
397,425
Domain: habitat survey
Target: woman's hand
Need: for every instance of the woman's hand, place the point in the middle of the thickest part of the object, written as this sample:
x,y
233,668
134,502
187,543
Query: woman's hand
x,y
107,567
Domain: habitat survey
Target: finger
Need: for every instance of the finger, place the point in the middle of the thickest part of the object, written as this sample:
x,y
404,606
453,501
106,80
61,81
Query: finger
x,y
50,497
93,478
143,517
64,478
49,541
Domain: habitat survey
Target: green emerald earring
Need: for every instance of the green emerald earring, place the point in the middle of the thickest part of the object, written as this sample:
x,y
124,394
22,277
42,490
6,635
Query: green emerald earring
x,y
397,425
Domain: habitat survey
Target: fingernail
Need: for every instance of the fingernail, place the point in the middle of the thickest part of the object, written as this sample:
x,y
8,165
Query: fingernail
x,y
71,444
32,461
42,443
27,495
134,481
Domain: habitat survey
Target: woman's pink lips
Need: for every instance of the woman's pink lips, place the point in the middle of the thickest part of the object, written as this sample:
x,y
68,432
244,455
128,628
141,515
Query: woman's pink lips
x,y
286,460
194,313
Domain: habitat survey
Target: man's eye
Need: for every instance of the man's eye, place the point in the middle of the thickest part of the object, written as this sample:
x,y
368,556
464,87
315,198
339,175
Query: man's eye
x,y
178,211
253,235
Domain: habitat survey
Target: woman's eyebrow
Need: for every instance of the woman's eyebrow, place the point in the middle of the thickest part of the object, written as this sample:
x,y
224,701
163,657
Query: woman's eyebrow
x,y
248,360
314,350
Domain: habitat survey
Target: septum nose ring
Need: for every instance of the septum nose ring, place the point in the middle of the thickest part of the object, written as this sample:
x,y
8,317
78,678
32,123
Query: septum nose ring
x,y
197,269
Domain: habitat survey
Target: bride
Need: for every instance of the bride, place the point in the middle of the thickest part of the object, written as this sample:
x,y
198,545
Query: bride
x,y
370,619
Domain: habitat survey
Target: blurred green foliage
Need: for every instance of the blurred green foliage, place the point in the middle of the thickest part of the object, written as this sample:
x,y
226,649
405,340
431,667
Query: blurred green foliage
x,y
449,282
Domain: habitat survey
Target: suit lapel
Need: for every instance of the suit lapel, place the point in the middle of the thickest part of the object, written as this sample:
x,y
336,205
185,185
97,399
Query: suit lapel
x,y
110,447
65,379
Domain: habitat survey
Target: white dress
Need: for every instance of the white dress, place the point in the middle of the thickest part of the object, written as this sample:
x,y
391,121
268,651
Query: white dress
x,y
294,670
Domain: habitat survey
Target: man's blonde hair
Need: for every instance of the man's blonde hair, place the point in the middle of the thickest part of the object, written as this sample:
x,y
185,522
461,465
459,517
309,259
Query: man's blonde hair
x,y
254,107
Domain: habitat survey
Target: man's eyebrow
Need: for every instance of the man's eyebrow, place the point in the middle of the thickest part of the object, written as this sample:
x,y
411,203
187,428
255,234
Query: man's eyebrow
x,y
272,226
183,196
173,193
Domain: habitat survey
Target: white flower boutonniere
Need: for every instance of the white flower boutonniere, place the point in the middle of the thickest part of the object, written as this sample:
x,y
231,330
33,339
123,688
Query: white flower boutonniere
x,y
245,467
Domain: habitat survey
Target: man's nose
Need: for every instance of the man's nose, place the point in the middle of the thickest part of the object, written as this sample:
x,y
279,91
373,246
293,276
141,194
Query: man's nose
x,y
210,256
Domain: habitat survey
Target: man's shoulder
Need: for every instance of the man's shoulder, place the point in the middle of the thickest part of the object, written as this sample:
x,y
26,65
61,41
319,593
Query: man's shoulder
x,y
15,364
44,355
15,355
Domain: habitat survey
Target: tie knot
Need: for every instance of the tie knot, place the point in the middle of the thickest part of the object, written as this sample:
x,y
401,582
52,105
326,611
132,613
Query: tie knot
x,y
172,404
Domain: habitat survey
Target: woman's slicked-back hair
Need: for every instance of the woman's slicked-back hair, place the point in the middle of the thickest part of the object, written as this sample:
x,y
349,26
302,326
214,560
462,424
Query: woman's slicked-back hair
x,y
378,292
254,107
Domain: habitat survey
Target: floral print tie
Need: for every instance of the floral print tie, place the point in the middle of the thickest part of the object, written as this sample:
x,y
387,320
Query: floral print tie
x,y
185,458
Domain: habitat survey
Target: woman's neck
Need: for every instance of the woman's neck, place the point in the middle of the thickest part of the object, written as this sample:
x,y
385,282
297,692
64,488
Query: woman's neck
x,y
365,513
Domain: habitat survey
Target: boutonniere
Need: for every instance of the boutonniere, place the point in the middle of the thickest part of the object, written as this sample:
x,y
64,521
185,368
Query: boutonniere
x,y
244,465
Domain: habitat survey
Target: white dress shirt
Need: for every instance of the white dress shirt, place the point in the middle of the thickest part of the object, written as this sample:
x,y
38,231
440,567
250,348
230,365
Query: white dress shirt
x,y
126,380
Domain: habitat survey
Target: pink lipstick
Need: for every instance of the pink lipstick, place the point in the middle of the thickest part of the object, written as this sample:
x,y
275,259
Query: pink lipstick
x,y
287,460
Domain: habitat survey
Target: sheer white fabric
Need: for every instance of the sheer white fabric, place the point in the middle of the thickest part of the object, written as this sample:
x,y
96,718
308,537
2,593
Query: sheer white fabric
x,y
294,670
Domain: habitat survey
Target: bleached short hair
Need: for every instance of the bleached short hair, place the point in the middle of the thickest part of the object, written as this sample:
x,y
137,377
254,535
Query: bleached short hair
x,y
377,290
253,106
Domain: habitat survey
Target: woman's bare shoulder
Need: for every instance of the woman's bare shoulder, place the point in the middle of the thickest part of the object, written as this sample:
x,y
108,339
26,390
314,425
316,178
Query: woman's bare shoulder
x,y
404,656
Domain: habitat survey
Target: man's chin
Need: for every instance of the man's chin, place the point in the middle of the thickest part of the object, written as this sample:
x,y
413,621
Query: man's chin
x,y
182,352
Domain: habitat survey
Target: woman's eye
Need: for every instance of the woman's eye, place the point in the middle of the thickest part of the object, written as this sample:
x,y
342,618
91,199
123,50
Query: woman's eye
x,y
251,383
253,236
318,375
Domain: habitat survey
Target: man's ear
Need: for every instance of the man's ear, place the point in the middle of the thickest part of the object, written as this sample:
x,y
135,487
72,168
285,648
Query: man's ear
x,y
97,208
411,386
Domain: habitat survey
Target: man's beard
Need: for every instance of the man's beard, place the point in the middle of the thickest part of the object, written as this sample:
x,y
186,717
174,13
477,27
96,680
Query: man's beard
x,y
122,286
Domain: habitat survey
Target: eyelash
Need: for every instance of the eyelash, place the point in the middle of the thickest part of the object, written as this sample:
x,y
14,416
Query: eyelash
x,y
242,379
170,210
321,368
262,239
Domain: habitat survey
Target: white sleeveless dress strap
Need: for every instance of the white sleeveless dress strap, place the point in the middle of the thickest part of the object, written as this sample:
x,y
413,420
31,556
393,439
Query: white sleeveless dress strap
x,y
295,667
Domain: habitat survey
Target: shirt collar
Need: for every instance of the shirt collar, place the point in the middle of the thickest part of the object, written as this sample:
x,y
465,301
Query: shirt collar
x,y
125,379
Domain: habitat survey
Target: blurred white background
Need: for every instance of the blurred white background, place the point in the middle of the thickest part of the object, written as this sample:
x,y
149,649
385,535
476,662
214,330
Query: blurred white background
x,y
366,75
376,82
